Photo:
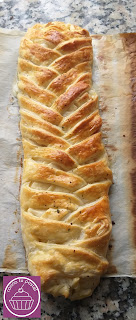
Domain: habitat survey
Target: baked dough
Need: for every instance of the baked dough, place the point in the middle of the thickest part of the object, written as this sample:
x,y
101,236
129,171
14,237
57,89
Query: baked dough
x,y
65,213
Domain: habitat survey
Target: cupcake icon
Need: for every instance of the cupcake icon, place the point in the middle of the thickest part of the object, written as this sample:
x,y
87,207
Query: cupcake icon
x,y
21,300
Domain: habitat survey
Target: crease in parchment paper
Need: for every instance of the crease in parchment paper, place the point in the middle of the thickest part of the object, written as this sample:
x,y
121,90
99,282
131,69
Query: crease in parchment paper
x,y
111,95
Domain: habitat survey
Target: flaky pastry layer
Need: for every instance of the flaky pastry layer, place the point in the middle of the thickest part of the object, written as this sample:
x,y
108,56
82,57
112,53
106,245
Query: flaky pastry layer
x,y
65,213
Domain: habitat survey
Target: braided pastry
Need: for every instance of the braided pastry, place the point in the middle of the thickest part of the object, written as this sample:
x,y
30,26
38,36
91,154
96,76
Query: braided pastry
x,y
66,222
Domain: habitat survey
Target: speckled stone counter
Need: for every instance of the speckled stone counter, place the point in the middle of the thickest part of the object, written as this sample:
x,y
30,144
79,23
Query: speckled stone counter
x,y
115,298
98,16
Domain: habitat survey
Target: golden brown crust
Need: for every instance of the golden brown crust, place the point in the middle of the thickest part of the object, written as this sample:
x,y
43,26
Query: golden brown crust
x,y
39,172
94,172
39,109
71,60
64,101
86,105
89,149
66,222
32,197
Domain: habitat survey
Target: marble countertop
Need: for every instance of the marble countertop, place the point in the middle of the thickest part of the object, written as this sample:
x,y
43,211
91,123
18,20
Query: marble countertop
x,y
115,298
98,16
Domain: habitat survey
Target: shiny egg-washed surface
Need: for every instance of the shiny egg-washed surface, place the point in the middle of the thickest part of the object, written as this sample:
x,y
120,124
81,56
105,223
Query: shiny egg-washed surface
x,y
66,222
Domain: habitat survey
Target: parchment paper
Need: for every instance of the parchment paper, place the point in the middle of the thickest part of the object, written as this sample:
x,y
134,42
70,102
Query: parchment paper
x,y
114,97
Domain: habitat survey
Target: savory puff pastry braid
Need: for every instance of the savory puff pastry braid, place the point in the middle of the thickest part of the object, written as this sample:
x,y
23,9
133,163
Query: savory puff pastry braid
x,y
66,222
